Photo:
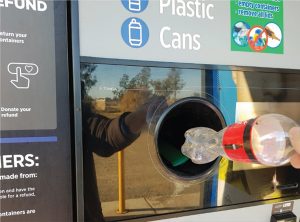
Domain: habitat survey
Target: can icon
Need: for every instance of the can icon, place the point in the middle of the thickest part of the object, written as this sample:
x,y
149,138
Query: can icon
x,y
134,5
135,33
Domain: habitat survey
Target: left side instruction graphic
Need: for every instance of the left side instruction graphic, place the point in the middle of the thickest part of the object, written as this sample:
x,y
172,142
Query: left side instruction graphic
x,y
27,66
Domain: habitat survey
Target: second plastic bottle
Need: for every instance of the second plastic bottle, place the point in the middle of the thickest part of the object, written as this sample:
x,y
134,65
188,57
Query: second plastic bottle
x,y
263,140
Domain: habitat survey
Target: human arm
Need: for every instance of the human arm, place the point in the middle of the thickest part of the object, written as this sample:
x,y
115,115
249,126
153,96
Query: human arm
x,y
106,136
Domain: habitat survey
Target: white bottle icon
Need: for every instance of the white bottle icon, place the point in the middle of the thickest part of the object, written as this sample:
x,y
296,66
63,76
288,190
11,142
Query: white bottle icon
x,y
134,5
135,33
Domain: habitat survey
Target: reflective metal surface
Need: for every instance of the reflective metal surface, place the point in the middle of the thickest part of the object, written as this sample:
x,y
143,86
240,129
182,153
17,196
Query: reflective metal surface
x,y
115,89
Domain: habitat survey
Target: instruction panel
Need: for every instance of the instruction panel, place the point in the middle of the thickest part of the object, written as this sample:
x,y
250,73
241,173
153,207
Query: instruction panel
x,y
27,65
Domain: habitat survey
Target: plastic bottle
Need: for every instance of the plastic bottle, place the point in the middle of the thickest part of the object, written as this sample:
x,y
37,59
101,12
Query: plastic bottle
x,y
264,140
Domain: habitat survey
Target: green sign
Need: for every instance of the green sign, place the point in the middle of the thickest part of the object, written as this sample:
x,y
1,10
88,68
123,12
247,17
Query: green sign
x,y
257,26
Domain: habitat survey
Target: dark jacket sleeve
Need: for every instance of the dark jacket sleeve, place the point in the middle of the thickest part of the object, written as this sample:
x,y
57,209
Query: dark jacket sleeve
x,y
105,136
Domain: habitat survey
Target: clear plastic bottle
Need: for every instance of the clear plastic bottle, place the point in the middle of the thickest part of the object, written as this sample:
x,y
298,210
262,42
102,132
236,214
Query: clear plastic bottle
x,y
263,140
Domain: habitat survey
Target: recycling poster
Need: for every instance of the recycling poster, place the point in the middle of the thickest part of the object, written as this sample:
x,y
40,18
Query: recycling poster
x,y
257,26
35,143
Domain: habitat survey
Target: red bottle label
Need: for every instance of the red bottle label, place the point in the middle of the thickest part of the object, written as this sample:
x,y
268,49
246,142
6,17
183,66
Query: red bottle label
x,y
237,142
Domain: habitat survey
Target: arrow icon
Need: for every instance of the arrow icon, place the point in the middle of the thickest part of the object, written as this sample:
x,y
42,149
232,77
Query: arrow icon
x,y
21,70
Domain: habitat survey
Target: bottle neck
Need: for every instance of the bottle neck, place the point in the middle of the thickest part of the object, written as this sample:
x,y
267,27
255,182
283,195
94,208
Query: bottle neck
x,y
236,142
216,144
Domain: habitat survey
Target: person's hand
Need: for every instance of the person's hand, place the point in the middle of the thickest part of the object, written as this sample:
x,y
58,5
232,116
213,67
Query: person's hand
x,y
294,135
154,108
146,113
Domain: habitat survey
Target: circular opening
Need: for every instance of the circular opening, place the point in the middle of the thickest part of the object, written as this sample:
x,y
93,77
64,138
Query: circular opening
x,y
169,136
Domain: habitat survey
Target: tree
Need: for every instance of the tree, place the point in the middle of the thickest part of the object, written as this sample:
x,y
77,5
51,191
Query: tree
x,y
170,85
133,92
87,79
124,84
140,81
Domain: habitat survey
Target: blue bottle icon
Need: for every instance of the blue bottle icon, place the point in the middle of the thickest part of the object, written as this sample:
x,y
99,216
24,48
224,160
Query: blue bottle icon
x,y
135,32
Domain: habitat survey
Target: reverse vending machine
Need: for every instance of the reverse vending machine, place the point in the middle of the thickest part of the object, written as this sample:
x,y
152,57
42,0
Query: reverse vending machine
x,y
215,63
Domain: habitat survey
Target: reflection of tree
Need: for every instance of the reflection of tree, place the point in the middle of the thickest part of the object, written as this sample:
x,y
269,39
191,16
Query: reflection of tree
x,y
86,76
138,82
133,92
87,79
170,85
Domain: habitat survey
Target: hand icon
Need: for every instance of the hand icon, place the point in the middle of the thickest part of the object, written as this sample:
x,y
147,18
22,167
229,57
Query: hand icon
x,y
21,70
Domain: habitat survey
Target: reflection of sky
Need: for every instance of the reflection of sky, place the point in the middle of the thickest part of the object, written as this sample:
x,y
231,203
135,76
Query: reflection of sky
x,y
108,77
